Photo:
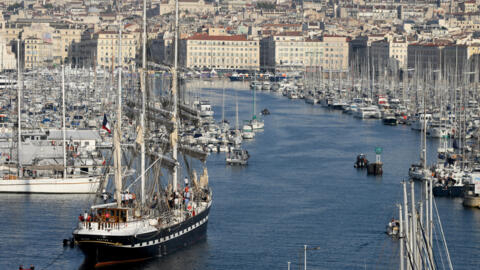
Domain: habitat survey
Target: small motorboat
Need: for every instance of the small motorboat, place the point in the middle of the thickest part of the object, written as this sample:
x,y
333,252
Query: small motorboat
x,y
237,157
265,112
393,228
361,162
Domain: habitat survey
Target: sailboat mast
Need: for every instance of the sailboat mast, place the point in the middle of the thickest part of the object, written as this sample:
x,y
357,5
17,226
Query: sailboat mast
x,y
223,104
255,86
175,102
237,127
142,115
19,111
254,105
117,134
424,134
63,125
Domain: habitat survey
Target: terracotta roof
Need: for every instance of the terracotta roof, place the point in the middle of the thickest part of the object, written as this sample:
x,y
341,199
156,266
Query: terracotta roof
x,y
203,36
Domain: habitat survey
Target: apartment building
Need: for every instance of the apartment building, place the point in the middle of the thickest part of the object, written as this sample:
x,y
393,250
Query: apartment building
x,y
282,51
40,46
70,38
291,50
193,6
423,56
8,61
235,52
10,32
336,53
39,52
49,43
107,49
393,51
469,6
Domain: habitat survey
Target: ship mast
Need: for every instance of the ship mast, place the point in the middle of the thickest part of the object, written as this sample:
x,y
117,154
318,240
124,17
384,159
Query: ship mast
x,y
142,114
174,135
19,110
118,127
63,126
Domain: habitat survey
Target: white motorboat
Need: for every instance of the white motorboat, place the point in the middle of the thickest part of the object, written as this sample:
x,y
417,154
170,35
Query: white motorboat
x,y
247,132
204,108
368,112
418,122
257,124
417,172
237,157
311,99
436,131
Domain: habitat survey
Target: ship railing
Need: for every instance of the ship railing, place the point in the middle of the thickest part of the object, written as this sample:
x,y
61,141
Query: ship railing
x,y
105,225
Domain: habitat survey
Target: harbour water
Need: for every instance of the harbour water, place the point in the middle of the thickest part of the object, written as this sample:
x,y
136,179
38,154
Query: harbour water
x,y
300,188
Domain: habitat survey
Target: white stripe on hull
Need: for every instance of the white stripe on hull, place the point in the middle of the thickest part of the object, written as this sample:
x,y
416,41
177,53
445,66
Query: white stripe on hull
x,y
80,185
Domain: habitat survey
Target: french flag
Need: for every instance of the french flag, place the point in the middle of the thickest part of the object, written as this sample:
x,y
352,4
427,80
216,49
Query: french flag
x,y
105,124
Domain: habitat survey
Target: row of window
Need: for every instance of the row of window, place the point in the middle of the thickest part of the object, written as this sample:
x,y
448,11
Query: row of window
x,y
223,49
309,56
111,48
222,61
107,59
331,62
124,42
224,54
116,54
236,43
318,49
225,67
31,58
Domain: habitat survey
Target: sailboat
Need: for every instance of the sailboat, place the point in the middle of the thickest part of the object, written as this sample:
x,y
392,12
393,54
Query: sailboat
x,y
255,123
47,176
164,219
420,171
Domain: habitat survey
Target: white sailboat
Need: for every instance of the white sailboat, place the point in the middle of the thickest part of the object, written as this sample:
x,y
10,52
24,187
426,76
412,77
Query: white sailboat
x,y
55,178
256,123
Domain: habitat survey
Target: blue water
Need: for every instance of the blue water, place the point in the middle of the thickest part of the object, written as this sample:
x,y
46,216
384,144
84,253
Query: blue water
x,y
300,188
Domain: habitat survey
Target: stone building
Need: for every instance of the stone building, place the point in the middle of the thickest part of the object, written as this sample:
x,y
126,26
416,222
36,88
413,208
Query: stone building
x,y
235,52
107,49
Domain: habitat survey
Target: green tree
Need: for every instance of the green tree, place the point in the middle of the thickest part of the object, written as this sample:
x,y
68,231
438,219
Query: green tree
x,y
265,5
14,7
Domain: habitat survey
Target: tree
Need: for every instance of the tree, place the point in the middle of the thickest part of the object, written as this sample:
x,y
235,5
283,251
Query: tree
x,y
265,5
14,7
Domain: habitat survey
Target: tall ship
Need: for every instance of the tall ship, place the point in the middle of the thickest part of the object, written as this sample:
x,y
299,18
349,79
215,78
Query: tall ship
x,y
157,211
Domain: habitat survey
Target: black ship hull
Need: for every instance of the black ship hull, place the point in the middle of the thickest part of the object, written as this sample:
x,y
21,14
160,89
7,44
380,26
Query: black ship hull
x,y
110,250
448,191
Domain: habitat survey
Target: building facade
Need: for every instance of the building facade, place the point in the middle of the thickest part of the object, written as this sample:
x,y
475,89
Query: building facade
x,y
8,61
392,52
220,52
286,51
107,49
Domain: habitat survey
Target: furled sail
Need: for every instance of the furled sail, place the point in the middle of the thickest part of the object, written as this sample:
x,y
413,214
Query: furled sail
x,y
204,178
